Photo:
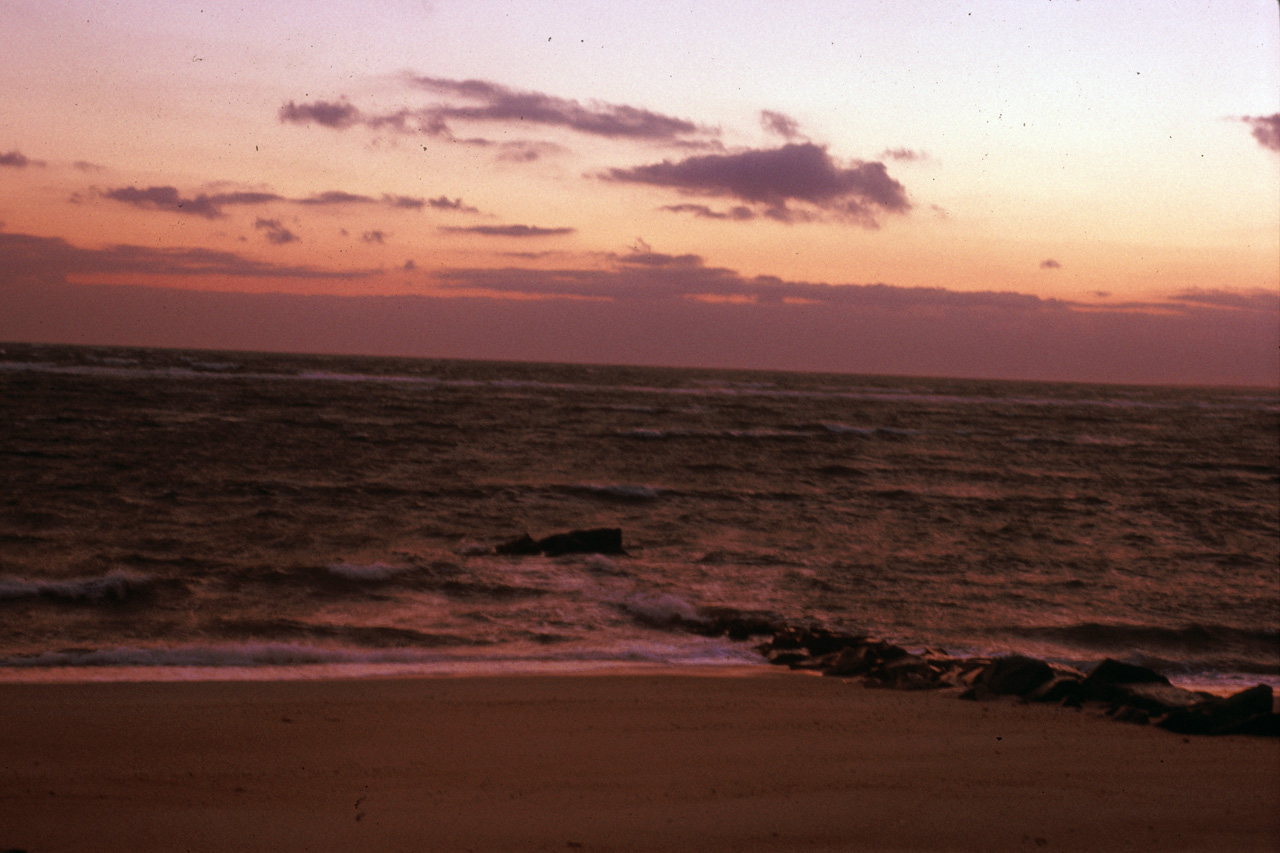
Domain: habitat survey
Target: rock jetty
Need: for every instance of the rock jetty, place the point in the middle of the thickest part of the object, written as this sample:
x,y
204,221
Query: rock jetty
x,y
1122,691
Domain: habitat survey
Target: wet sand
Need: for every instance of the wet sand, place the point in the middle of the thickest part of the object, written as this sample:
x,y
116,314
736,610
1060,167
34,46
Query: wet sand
x,y
770,761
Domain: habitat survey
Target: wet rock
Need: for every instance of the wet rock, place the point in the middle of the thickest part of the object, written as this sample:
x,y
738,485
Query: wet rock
x,y
1056,689
1246,712
1259,699
853,660
1129,714
786,657
909,672
1263,725
816,640
1158,699
1014,675
1104,683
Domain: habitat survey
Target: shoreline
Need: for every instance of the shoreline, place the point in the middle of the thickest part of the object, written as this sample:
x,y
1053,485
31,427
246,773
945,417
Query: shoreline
x,y
773,760
1218,685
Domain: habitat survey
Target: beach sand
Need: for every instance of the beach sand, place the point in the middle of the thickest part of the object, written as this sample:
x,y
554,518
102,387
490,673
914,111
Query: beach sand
x,y
770,761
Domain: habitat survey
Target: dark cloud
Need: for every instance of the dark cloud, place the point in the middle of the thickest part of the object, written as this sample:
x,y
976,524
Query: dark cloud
x,y
494,102
86,166
409,266
446,203
509,230
166,199
404,202
904,155
210,205
276,232
375,236
526,151
783,125
18,160
1050,264
337,115
643,255
336,197
1251,300
646,275
738,213
52,259
777,178
1266,129
484,102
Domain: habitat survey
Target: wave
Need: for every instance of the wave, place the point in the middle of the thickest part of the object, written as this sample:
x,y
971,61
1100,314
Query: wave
x,y
345,579
190,365
366,572
1192,637
623,492
214,655
749,433
660,608
298,656
363,636
116,586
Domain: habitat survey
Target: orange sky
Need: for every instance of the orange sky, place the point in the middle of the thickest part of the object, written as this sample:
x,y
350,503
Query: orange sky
x,y
1102,160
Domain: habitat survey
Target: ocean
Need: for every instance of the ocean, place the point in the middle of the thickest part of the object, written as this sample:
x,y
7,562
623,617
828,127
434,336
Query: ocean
x,y
172,514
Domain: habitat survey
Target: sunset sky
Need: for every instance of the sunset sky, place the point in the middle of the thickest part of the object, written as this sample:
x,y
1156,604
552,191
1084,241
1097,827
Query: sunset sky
x,y
1079,190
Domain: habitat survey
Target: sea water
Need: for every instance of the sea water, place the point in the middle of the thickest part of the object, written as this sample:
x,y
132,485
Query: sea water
x,y
171,514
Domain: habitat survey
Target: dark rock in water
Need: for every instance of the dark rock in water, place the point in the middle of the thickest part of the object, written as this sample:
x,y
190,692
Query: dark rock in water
x,y
600,540
1101,684
736,624
520,546
1014,675
816,640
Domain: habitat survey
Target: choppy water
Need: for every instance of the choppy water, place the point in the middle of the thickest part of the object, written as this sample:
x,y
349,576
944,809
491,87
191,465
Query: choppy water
x,y
182,514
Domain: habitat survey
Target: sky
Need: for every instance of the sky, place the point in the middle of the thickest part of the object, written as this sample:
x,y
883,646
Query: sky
x,y
1021,189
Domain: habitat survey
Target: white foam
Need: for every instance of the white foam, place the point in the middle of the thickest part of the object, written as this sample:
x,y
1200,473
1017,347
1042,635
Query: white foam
x,y
845,429
660,607
623,491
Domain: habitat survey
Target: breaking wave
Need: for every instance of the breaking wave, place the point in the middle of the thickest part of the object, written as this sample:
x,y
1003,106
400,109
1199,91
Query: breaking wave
x,y
117,585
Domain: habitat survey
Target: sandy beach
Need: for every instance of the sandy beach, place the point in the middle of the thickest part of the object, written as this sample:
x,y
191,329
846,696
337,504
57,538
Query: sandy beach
x,y
770,761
